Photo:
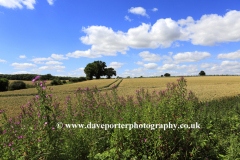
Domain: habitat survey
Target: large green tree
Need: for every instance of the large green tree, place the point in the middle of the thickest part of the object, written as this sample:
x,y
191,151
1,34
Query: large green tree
x,y
97,69
100,69
109,72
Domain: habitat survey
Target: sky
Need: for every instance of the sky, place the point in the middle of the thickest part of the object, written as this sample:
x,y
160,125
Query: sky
x,y
135,37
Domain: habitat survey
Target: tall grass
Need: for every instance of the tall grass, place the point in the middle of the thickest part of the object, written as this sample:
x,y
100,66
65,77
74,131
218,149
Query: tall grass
x,y
36,136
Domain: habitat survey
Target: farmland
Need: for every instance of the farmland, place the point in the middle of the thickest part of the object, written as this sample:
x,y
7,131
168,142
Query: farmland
x,y
219,120
205,88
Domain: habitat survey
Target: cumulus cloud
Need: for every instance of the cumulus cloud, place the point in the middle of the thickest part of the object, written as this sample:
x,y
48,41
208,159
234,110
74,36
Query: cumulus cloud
x,y
88,53
107,42
53,62
22,56
139,63
154,9
139,70
50,2
17,3
190,56
212,29
39,60
23,65
51,67
79,70
61,71
21,72
138,10
170,53
4,61
149,57
232,55
127,18
150,65
115,65
58,56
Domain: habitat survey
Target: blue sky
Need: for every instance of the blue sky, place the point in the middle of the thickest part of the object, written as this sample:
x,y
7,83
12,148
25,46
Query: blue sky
x,y
135,37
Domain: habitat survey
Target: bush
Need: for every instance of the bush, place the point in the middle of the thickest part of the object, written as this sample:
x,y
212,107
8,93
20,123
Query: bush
x,y
56,82
64,82
74,80
4,83
88,78
17,85
82,79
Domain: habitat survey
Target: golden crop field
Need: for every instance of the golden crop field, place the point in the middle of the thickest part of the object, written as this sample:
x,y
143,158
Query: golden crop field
x,y
12,103
205,88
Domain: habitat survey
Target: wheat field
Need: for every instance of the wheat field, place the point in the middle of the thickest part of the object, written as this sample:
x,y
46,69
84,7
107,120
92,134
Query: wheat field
x,y
205,88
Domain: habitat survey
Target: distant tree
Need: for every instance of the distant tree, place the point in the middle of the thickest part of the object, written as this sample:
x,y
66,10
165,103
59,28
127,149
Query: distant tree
x,y
128,76
117,77
141,76
109,72
167,75
161,75
202,73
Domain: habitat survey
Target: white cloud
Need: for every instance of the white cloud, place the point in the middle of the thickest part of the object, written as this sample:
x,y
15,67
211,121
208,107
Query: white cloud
x,y
191,56
139,63
23,65
50,2
61,71
139,70
154,9
138,10
232,55
207,31
170,53
149,57
38,60
150,65
115,65
107,42
51,67
17,3
88,53
211,29
22,56
58,57
1,60
127,18
79,70
21,72
53,62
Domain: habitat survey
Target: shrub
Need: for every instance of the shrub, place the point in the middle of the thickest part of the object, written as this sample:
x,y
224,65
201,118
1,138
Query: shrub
x,y
56,82
88,78
64,82
17,85
74,80
82,79
4,83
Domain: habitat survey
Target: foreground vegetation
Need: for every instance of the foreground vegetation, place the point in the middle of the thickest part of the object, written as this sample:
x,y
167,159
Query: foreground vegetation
x,y
217,138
